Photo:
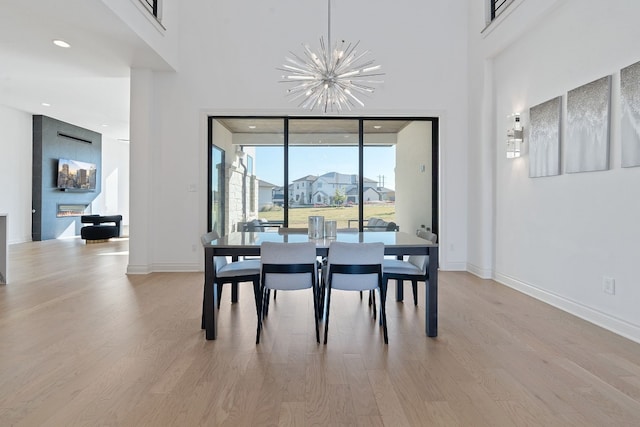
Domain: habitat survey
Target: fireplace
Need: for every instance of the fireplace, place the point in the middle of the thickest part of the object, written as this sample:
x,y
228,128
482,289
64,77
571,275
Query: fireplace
x,y
67,209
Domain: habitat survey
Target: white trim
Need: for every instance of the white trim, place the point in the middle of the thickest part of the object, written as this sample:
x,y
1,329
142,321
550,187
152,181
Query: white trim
x,y
453,266
483,273
604,320
138,269
165,268
147,12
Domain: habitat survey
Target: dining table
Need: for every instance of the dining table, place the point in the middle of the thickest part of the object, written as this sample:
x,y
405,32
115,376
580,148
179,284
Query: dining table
x,y
247,243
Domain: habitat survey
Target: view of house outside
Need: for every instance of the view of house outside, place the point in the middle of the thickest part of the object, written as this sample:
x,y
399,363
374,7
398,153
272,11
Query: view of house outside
x,y
324,181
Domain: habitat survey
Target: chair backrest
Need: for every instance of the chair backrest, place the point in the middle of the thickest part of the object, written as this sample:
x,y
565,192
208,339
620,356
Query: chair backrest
x,y
427,235
288,254
205,239
422,261
355,254
254,225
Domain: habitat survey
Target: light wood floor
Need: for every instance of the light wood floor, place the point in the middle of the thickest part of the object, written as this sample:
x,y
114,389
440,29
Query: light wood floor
x,y
81,343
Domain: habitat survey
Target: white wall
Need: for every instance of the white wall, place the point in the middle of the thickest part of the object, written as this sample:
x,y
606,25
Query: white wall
x,y
152,32
229,55
114,198
16,148
413,184
556,237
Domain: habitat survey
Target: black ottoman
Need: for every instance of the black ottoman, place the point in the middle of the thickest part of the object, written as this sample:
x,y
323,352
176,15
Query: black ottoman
x,y
99,232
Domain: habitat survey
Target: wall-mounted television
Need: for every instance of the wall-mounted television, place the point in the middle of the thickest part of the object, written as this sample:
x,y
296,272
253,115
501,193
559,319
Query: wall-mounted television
x,y
76,175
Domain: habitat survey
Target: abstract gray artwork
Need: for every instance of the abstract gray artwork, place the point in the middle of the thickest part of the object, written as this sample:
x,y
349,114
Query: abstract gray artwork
x,y
630,125
544,138
587,145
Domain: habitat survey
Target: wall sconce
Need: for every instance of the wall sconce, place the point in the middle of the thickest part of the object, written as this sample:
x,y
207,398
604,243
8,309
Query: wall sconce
x,y
515,137
239,152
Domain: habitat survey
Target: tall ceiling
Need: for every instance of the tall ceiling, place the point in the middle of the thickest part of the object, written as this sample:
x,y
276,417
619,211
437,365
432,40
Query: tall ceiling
x,y
87,84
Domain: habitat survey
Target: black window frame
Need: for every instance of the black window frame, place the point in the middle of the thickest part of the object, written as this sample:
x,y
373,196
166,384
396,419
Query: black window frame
x,y
435,158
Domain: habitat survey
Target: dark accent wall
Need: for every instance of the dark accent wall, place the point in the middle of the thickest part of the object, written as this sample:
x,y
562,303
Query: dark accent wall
x,y
52,140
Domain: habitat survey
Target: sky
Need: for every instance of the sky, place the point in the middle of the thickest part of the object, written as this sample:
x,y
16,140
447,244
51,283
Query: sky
x,y
378,161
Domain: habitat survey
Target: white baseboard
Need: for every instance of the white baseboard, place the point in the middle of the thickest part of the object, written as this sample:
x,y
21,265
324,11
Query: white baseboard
x,y
453,266
604,320
163,268
483,273
176,268
138,269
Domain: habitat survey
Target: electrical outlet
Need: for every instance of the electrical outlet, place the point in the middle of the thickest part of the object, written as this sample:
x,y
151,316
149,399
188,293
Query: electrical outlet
x,y
609,285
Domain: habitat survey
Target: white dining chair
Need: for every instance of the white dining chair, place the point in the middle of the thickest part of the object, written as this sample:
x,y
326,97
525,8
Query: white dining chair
x,y
233,272
355,267
414,269
288,267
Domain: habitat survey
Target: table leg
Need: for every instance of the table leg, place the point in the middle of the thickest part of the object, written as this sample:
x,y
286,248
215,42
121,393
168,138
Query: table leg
x,y
399,290
431,294
210,295
234,285
399,286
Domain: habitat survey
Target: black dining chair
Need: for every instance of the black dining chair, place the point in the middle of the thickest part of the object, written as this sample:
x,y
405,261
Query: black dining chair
x,y
233,272
414,269
355,267
288,267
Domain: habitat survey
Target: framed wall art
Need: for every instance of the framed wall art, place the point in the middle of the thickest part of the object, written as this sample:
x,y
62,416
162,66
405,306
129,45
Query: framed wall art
x,y
587,143
630,117
544,138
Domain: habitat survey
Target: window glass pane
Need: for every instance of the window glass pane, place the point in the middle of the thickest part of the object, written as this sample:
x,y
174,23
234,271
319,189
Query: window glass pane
x,y
216,187
379,160
398,156
323,171
254,169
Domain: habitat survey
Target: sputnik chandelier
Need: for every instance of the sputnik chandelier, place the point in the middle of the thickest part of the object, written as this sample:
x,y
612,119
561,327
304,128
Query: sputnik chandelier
x,y
333,79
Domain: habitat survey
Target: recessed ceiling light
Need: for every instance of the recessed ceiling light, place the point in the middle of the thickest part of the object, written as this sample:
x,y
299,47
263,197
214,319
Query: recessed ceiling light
x,y
46,104
377,127
252,126
105,126
61,43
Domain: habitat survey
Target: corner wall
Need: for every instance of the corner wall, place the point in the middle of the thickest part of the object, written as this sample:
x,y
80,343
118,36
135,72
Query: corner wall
x,y
557,237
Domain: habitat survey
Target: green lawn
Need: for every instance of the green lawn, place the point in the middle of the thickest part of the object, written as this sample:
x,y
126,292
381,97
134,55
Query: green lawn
x,y
298,216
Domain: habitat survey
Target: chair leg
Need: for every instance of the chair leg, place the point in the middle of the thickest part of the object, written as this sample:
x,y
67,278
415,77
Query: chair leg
x,y
262,294
258,297
372,301
316,313
321,300
275,292
361,298
383,310
414,286
265,302
328,310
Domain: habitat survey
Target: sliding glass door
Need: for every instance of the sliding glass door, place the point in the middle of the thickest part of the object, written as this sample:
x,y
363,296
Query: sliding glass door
x,y
357,171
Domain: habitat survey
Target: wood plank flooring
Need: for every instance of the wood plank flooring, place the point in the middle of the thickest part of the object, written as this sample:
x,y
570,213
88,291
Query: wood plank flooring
x,y
83,344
